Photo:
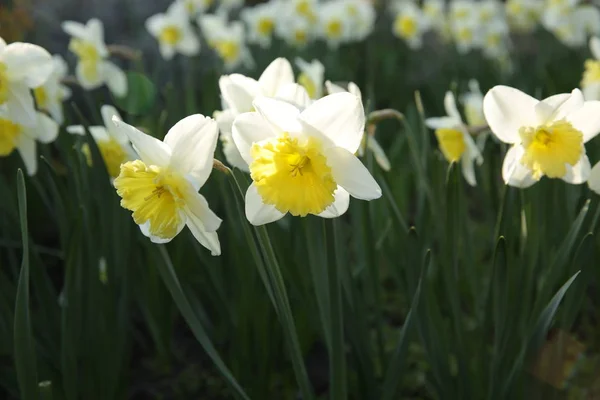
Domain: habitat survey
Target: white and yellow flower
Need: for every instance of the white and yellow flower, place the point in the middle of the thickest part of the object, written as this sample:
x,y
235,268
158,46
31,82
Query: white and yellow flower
x,y
302,162
456,144
495,41
334,23
547,136
113,145
227,39
295,30
435,13
195,7
23,66
312,75
305,9
161,187
50,96
473,104
93,68
524,15
14,135
590,84
369,141
361,17
410,24
260,21
174,32
462,11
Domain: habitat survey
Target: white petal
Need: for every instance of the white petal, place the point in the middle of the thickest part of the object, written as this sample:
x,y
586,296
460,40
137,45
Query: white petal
x,y
282,116
339,205
573,103
145,228
189,44
75,29
155,24
441,122
239,91
86,82
46,129
193,141
198,206
2,44
340,117
591,91
277,74
506,110
351,174
20,105
151,150
333,88
167,51
257,212
250,128
595,47
210,240
27,149
99,133
594,178
513,172
96,34
76,130
108,112
232,154
28,63
586,119
115,78
578,173
468,170
450,106
378,152
294,94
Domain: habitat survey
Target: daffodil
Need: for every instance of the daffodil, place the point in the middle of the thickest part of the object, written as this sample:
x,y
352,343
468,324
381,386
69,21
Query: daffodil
x,y
23,66
333,23
360,16
466,35
161,187
302,162
113,145
227,39
547,136
455,141
524,15
312,75
238,93
369,141
434,12
473,104
294,30
590,84
195,7
50,96
174,32
260,21
14,135
305,9
410,24
495,41
93,68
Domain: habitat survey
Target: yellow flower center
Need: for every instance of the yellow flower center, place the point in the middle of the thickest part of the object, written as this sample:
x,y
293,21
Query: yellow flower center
x,y
494,40
228,50
170,35
112,154
155,195
88,57
265,26
304,8
405,26
308,84
465,34
41,97
3,83
548,148
352,10
300,36
9,134
592,73
334,29
292,176
452,143
461,13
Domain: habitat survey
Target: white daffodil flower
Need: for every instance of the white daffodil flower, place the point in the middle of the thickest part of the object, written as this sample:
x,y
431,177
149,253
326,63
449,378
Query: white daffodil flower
x,y
361,17
174,32
473,103
260,21
113,145
305,9
312,75
524,15
238,93
455,141
14,135
547,136
93,68
462,11
195,7
590,84
435,13
333,24
50,96
369,142
23,66
161,187
295,30
303,162
410,24
227,39
496,39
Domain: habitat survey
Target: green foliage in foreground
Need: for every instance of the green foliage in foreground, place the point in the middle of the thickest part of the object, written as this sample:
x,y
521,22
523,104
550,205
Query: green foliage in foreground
x,y
436,290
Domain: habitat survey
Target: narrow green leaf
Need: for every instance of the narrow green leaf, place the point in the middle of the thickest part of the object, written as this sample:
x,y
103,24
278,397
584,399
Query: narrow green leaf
x,y
25,361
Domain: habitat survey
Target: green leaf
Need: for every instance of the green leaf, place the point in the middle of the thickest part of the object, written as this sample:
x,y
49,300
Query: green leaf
x,y
25,361
140,97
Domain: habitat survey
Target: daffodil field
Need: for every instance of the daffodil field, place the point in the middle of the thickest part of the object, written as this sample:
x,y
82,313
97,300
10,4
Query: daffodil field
x,y
300,199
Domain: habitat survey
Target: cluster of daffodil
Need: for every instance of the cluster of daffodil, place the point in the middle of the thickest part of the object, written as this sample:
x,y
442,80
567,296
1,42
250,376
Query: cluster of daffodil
x,y
230,28
486,25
